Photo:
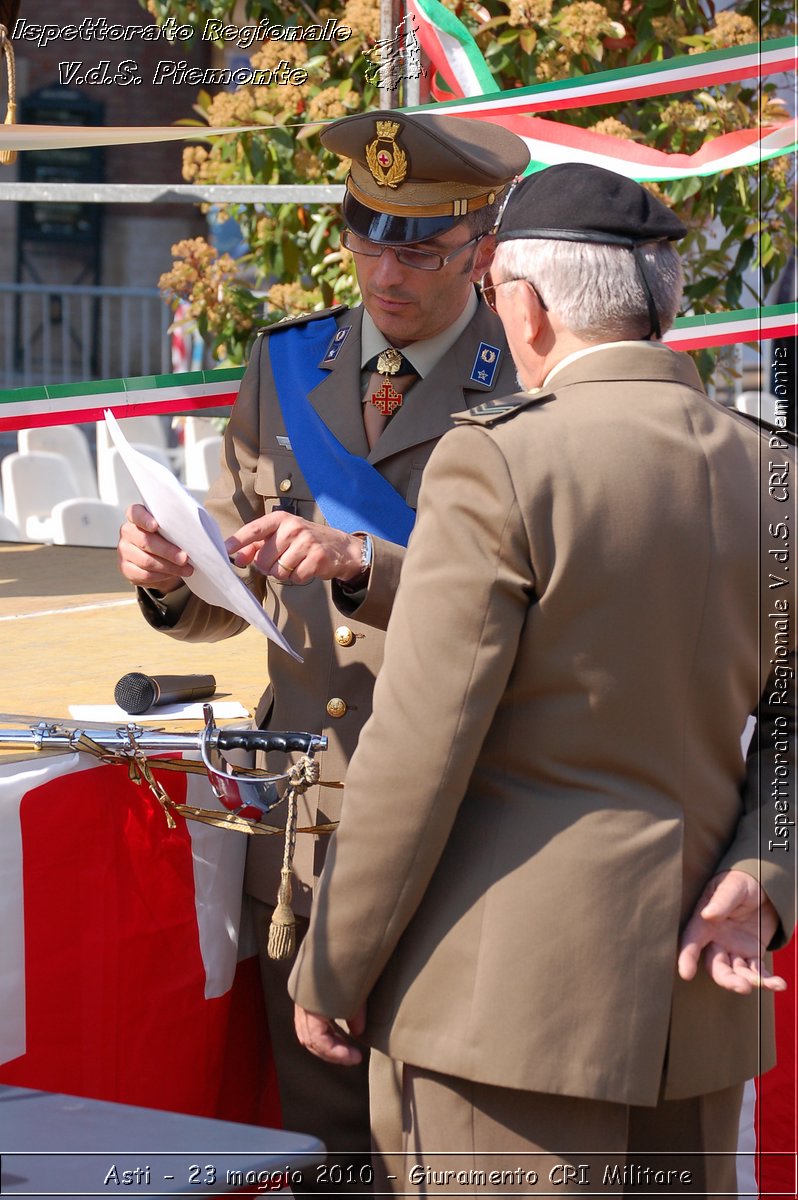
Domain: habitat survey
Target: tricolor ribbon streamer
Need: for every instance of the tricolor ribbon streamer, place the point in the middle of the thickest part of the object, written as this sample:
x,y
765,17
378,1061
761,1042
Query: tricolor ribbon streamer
x,y
67,404
460,68
688,72
72,403
729,328
456,57
550,142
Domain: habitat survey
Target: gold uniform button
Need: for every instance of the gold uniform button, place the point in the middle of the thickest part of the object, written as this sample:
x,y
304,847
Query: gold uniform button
x,y
344,635
285,485
336,707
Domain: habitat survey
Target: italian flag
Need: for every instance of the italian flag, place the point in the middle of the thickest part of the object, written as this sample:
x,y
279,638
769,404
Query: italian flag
x,y
124,971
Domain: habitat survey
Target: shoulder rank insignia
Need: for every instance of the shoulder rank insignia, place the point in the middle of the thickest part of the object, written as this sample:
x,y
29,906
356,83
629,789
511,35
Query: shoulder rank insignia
x,y
485,365
302,318
491,412
336,342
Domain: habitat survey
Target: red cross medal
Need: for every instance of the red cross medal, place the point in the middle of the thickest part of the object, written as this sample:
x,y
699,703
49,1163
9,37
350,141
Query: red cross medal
x,y
386,399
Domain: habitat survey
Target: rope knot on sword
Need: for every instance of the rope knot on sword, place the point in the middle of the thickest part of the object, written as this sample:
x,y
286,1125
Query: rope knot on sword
x,y
247,794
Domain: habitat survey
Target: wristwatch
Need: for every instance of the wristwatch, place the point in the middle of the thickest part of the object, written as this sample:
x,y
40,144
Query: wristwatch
x,y
366,550
360,581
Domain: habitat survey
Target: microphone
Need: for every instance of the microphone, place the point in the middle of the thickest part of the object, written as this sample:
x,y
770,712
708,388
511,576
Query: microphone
x,y
136,692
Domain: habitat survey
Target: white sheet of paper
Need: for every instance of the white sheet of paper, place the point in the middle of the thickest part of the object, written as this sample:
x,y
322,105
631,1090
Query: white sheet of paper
x,y
222,709
190,527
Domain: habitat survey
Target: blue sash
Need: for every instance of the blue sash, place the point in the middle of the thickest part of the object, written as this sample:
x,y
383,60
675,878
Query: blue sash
x,y
350,492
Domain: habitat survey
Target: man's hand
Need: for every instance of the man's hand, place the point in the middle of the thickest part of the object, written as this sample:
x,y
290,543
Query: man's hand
x,y
327,1040
730,927
146,558
286,547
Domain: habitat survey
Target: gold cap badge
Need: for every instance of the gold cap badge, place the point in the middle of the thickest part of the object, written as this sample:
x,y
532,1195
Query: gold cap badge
x,y
386,160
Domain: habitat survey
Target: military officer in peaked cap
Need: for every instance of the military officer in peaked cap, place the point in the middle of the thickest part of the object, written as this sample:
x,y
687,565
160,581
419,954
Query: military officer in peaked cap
x,y
337,415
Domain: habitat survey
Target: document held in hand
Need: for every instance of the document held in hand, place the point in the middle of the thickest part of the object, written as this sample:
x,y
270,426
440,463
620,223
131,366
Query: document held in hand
x,y
190,527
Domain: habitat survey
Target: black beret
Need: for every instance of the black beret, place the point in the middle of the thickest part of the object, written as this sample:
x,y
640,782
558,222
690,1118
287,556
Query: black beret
x,y
577,202
414,175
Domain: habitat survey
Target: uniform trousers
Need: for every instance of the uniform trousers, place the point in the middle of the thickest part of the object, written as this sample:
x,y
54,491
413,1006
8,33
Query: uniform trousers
x,y
328,1102
471,1139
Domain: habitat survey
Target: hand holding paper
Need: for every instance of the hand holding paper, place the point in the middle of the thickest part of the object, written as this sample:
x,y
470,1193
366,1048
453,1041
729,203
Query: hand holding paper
x,y
190,527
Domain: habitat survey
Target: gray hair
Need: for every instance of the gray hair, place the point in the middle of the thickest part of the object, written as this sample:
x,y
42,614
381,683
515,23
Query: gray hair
x,y
595,289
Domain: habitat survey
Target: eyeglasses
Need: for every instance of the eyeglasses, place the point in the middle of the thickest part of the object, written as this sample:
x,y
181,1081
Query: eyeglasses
x,y
408,256
488,288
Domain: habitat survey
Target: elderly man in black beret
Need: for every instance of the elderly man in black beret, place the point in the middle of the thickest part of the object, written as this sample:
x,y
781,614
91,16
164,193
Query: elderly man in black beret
x,y
337,415
549,819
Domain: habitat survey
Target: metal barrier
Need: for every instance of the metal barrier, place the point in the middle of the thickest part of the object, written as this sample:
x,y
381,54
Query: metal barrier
x,y
65,333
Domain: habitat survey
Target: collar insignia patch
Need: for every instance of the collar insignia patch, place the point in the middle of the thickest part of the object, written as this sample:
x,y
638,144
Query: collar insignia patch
x,y
486,364
336,342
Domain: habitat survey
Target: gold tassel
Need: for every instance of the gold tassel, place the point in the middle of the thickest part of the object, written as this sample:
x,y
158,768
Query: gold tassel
x,y
9,156
282,930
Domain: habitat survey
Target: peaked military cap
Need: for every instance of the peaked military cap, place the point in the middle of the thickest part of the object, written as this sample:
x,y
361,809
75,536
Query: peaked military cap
x,y
414,175
581,203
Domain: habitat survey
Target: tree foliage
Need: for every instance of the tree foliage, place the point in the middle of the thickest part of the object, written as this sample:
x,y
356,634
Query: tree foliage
x,y
741,223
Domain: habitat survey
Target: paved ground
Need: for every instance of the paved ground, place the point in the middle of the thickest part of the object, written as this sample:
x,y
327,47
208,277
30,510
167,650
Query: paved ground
x,y
70,628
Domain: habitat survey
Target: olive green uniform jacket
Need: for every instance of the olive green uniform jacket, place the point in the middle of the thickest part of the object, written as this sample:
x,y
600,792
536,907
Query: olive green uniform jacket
x,y
342,654
553,769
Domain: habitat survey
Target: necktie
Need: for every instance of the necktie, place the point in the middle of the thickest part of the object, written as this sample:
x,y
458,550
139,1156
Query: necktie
x,y
391,376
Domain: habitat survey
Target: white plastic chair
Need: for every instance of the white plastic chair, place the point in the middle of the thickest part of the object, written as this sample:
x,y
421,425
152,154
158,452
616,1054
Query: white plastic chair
x,y
143,431
203,463
149,430
119,488
9,531
757,404
192,431
32,485
69,441
196,429
86,522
